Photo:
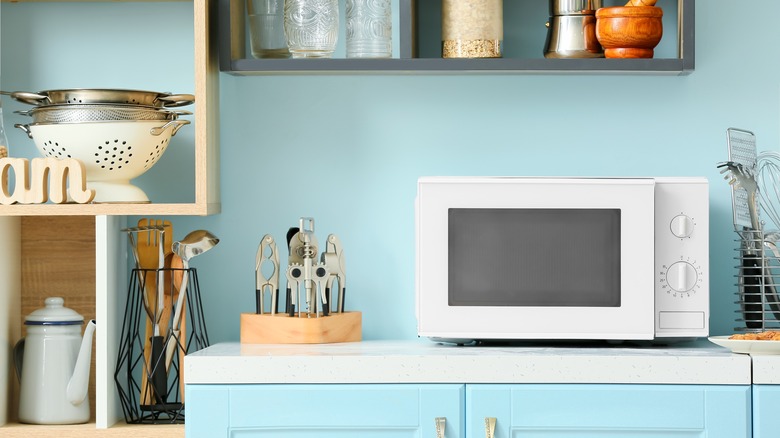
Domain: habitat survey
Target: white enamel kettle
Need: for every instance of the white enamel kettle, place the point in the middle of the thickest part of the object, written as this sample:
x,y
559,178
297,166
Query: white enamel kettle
x,y
53,364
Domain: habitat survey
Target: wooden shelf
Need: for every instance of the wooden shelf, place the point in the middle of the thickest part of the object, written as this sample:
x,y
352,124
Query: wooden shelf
x,y
123,430
206,118
416,55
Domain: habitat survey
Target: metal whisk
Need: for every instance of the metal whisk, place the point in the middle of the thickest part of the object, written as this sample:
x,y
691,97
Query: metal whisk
x,y
768,178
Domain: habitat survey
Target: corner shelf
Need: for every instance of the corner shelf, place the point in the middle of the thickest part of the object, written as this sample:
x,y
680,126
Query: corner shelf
x,y
234,60
102,250
206,118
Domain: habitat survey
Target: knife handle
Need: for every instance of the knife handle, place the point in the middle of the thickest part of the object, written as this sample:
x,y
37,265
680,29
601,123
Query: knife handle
x,y
326,306
290,306
258,301
157,368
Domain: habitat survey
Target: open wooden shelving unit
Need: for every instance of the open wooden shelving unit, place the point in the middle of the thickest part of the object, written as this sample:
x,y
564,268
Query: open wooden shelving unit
x,y
95,244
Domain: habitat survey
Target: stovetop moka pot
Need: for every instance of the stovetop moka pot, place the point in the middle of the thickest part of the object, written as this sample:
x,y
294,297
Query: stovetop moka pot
x,y
571,31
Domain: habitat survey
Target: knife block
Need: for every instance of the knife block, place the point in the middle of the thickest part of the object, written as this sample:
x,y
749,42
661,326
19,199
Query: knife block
x,y
283,329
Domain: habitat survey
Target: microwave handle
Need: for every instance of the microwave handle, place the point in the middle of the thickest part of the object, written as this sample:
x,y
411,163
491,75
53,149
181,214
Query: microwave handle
x,y
490,427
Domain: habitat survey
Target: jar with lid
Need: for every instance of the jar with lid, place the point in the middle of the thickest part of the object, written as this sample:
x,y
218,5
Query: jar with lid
x,y
472,28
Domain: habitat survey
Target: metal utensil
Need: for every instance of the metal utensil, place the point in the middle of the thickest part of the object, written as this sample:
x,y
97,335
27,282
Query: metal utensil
x,y
333,258
759,285
768,163
267,252
194,244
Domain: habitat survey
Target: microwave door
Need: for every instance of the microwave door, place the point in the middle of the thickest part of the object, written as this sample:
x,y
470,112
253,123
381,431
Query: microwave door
x,y
534,257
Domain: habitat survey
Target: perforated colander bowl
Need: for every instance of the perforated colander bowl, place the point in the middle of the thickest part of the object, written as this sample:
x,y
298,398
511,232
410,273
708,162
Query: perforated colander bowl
x,y
98,113
113,152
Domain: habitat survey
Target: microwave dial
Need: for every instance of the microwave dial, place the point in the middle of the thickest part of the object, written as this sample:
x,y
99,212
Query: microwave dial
x,y
682,277
682,226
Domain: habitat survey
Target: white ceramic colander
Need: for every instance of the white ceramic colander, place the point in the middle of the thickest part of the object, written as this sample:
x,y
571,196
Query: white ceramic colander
x,y
113,152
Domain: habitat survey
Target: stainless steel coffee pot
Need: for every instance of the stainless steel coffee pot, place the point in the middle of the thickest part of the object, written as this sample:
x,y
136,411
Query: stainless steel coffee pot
x,y
571,31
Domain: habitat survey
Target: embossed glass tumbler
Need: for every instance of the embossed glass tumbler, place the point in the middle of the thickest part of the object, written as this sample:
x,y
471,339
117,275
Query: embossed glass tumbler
x,y
266,28
369,29
312,27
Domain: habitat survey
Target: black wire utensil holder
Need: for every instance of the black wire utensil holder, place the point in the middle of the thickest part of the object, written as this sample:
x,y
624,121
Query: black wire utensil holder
x,y
758,268
151,388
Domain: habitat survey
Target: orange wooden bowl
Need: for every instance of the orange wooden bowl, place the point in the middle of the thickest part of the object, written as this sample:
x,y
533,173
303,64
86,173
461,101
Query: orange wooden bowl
x,y
629,31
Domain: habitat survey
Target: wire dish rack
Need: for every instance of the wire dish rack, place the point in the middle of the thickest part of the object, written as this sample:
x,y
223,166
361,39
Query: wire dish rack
x,y
135,373
758,282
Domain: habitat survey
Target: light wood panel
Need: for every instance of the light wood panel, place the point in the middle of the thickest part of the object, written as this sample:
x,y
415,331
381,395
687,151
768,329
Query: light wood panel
x,y
88,430
58,259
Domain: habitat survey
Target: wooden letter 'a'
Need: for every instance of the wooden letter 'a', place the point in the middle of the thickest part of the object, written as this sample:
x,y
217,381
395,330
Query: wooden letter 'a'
x,y
30,183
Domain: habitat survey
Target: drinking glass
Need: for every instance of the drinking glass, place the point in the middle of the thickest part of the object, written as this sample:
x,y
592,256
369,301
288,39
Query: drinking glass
x,y
312,27
266,28
369,29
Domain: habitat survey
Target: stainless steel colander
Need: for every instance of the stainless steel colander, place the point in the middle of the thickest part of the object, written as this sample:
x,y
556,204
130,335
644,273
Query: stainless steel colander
x,y
80,96
98,112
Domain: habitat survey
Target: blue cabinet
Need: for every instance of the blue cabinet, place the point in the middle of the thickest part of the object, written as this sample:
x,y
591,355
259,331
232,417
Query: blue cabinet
x,y
520,410
766,404
597,411
323,411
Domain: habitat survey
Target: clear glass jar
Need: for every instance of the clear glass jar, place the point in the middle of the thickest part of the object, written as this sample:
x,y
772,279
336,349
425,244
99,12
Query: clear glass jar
x,y
369,29
472,28
266,28
312,27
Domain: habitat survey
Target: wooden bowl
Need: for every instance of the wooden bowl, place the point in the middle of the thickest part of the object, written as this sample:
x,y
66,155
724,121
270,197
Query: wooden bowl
x,y
629,31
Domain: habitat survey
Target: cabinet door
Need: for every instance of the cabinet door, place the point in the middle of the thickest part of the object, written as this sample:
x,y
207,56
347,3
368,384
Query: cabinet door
x,y
766,400
344,411
615,411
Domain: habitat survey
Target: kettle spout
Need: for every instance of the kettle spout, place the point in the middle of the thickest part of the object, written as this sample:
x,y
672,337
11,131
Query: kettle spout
x,y
79,381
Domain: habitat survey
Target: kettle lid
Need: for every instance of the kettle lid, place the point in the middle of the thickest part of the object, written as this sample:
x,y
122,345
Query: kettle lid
x,y
54,313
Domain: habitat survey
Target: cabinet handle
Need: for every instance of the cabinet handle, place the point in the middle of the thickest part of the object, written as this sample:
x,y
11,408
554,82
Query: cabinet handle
x,y
441,423
490,427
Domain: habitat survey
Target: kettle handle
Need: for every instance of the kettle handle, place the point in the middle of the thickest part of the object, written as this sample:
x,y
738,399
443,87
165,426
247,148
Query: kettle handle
x,y
19,358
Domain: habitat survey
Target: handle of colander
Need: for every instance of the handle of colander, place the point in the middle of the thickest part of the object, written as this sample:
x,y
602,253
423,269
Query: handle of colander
x,y
174,100
177,124
25,128
29,98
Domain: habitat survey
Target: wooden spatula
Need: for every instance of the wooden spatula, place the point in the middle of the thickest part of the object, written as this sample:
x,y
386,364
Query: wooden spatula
x,y
150,245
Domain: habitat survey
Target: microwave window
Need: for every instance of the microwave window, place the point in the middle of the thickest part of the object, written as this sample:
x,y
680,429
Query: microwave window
x,y
534,257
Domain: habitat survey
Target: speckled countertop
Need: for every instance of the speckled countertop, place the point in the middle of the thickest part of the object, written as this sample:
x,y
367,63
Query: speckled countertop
x,y
429,362
766,369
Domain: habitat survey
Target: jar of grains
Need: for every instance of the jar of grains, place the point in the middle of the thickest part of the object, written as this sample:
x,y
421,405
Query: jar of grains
x,y
472,28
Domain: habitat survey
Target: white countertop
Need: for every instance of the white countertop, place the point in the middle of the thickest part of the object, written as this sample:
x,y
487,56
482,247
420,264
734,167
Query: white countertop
x,y
428,362
766,369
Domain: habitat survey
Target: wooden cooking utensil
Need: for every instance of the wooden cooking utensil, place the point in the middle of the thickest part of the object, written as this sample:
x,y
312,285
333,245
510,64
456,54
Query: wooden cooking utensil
x,y
150,244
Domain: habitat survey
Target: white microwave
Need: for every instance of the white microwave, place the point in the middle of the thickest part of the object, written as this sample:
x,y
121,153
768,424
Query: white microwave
x,y
525,258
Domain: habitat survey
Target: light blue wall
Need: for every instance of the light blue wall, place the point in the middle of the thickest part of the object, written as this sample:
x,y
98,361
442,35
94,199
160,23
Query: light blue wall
x,y
348,149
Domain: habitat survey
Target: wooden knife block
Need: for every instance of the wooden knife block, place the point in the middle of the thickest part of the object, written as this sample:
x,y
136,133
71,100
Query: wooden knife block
x,y
283,329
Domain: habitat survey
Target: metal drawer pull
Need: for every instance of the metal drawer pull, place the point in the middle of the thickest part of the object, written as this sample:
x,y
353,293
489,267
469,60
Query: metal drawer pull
x,y
441,422
490,427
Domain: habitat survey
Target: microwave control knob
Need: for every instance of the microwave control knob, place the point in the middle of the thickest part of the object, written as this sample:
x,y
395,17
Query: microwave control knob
x,y
681,277
682,226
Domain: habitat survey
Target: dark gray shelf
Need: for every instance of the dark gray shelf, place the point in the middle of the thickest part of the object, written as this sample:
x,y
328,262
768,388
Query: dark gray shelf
x,y
233,60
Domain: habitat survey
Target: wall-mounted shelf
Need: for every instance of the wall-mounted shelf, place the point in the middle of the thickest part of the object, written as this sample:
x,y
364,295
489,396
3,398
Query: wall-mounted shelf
x,y
206,126
418,54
